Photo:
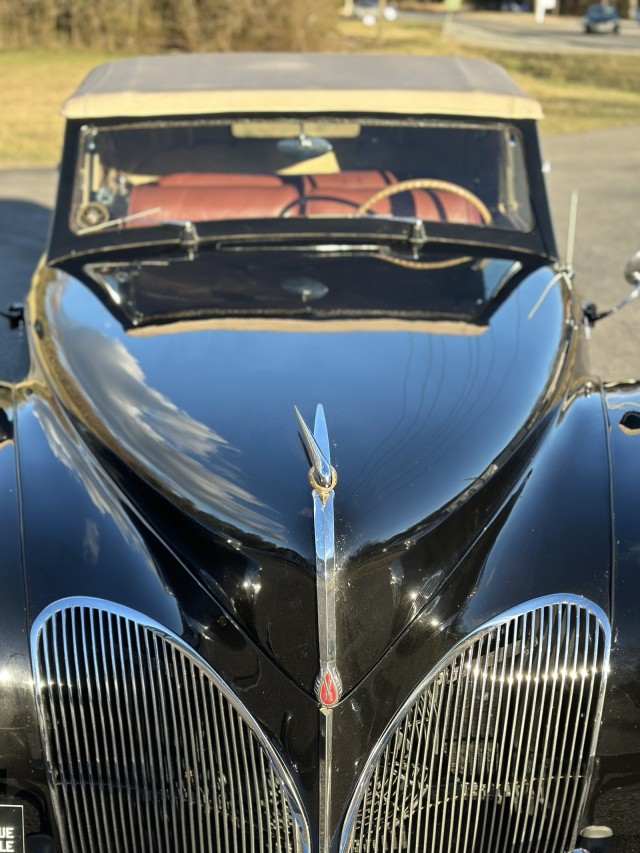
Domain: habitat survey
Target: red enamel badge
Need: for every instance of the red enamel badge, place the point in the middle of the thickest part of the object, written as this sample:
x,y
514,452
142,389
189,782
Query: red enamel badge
x,y
328,691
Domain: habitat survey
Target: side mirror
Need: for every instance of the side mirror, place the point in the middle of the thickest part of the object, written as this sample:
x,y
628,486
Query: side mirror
x,y
632,269
632,275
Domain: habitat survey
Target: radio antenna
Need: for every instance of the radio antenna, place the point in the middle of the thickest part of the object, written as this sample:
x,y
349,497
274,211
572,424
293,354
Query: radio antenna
x,y
571,235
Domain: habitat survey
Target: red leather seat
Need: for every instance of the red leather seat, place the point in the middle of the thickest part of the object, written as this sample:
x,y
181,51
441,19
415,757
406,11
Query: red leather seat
x,y
206,196
200,197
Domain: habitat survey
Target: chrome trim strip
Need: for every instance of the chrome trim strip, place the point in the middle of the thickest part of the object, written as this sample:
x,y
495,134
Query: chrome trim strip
x,y
323,479
504,622
328,682
277,767
326,764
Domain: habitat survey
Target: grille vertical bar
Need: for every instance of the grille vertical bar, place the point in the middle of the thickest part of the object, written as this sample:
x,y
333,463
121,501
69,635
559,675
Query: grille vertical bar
x,y
493,751
147,749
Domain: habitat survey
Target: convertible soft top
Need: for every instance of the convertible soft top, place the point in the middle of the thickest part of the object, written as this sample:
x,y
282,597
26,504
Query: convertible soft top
x,y
285,83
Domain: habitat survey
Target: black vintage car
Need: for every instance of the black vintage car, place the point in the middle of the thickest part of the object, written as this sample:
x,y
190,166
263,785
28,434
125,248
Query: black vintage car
x,y
317,534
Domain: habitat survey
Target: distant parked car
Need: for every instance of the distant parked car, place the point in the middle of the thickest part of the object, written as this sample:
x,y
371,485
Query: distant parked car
x,y
602,18
501,6
369,11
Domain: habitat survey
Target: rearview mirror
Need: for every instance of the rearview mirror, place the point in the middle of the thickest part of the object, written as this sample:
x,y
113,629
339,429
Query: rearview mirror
x,y
304,147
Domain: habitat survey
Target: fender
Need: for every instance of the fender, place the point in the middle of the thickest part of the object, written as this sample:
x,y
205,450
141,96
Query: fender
x,y
619,744
551,535
22,773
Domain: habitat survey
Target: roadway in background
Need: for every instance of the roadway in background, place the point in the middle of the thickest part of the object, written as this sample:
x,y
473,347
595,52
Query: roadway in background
x,y
519,31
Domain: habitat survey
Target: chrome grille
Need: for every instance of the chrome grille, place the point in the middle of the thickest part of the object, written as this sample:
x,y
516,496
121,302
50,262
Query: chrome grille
x,y
147,749
494,750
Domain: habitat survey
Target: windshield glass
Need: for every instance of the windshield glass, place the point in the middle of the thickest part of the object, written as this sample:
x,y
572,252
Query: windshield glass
x,y
302,286
137,175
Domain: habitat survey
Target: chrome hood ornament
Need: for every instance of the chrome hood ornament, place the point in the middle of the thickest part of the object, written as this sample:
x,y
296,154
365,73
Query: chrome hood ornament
x,y
322,476
323,480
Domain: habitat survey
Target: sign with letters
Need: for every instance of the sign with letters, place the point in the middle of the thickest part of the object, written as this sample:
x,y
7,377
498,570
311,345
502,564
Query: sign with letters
x,y
11,829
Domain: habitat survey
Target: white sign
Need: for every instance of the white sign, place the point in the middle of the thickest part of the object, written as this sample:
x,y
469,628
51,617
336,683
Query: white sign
x,y
11,829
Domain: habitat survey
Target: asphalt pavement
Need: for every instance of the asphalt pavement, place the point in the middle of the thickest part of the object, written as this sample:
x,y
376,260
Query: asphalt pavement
x,y
520,31
603,167
26,201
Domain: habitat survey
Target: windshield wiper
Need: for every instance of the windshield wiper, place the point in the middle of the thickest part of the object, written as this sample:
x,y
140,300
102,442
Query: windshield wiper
x,y
188,233
189,237
111,223
411,230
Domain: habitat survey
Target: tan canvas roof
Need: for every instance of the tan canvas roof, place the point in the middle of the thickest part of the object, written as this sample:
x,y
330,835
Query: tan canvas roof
x,y
270,83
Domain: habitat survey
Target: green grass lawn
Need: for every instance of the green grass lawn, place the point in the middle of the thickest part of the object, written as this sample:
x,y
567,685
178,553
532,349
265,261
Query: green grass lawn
x,y
578,91
34,85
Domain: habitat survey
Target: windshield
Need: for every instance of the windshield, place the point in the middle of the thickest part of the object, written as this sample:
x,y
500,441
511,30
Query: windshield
x,y
300,286
139,174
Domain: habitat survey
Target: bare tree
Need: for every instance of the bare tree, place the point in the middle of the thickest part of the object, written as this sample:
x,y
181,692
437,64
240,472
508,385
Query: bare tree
x,y
189,25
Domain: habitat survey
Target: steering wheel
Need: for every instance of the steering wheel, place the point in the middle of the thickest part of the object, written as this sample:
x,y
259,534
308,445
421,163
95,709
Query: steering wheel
x,y
426,184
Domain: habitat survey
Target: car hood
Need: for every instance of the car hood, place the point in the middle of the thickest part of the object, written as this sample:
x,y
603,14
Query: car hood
x,y
195,423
